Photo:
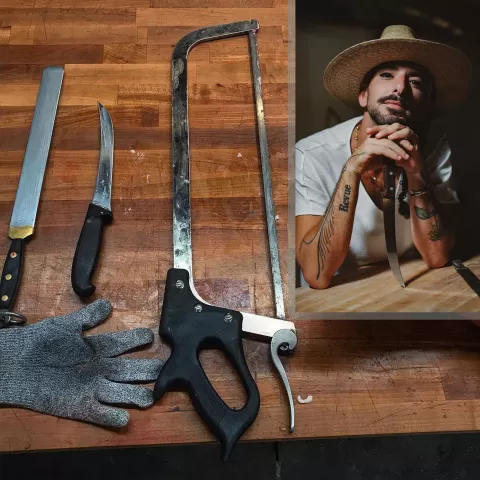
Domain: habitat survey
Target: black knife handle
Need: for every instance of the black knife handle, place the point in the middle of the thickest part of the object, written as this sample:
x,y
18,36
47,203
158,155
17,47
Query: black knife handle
x,y
12,271
88,249
472,280
189,326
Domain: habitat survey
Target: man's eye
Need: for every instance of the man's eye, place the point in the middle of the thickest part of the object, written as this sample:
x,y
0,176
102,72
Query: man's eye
x,y
417,83
386,75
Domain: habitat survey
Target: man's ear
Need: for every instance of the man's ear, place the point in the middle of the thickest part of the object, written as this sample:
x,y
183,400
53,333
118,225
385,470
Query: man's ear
x,y
363,98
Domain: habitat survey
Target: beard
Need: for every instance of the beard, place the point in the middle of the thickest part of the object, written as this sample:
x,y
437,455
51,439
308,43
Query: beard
x,y
391,116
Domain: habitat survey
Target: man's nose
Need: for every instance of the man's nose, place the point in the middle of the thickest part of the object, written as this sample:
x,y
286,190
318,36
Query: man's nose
x,y
400,85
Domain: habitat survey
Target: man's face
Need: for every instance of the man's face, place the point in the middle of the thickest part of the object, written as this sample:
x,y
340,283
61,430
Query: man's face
x,y
398,92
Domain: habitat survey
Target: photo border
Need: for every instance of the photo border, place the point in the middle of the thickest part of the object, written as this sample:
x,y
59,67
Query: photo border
x,y
291,276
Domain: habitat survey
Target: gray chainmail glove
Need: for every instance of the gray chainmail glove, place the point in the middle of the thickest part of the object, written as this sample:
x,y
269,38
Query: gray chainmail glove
x,y
51,368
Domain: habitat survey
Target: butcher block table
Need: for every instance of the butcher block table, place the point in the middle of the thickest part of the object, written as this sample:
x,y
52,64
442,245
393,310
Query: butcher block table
x,y
373,288
365,378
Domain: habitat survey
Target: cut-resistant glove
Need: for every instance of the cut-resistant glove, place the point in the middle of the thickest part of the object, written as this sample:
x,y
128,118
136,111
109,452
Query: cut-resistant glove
x,y
50,367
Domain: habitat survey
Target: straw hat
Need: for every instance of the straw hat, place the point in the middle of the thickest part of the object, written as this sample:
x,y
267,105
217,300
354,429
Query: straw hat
x,y
450,68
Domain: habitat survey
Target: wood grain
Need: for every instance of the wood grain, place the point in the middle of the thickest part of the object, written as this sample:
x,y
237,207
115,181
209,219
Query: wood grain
x,y
22,35
90,4
114,55
200,17
374,289
85,116
107,74
271,52
125,53
67,16
207,94
22,54
21,95
5,35
166,35
87,34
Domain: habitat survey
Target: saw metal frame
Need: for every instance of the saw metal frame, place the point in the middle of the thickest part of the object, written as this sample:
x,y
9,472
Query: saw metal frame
x,y
279,332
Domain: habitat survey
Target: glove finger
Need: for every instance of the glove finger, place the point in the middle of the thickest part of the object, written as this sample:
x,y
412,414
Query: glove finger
x,y
116,343
110,392
92,314
108,416
132,369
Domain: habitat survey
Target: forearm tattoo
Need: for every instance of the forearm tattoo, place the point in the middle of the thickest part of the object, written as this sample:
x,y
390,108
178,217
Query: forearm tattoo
x,y
346,199
423,214
325,230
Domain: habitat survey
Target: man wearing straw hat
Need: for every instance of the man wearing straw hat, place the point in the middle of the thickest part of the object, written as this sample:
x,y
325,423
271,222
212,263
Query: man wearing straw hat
x,y
401,83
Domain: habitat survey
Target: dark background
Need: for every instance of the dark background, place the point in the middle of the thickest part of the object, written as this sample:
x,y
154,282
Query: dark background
x,y
419,457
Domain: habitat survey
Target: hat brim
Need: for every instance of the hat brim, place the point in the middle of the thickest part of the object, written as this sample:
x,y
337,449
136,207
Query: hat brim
x,y
450,68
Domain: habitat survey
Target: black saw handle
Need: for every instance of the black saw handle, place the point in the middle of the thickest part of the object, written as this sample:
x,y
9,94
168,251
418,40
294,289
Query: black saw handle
x,y
12,271
189,326
88,249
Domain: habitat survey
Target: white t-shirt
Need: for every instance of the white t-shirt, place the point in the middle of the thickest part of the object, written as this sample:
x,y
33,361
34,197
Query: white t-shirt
x,y
319,162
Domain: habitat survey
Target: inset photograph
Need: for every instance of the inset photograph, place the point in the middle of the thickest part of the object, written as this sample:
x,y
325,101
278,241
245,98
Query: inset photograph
x,y
387,205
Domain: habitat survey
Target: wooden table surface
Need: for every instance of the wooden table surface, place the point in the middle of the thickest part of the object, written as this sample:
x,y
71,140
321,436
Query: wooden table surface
x,y
375,289
364,377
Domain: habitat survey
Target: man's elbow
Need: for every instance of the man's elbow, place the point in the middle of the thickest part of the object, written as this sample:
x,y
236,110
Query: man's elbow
x,y
439,257
436,261
318,282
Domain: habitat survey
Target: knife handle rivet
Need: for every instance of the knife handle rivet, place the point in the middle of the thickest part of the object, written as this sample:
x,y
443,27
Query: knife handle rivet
x,y
391,173
13,254
4,298
391,188
8,276
179,284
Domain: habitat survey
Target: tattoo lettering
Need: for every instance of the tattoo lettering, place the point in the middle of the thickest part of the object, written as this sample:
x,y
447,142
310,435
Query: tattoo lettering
x,y
346,199
325,230
423,214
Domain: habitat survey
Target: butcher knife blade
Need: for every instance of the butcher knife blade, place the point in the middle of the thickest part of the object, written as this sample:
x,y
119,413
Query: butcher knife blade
x,y
24,213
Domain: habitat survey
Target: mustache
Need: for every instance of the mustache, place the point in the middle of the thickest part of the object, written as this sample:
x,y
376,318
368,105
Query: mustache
x,y
395,98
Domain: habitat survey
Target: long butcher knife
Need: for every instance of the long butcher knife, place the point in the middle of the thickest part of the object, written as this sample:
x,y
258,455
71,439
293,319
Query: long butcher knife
x,y
24,213
98,215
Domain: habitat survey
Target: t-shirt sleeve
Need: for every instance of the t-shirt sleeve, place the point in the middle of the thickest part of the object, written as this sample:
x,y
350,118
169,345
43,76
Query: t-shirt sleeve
x,y
440,172
311,195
